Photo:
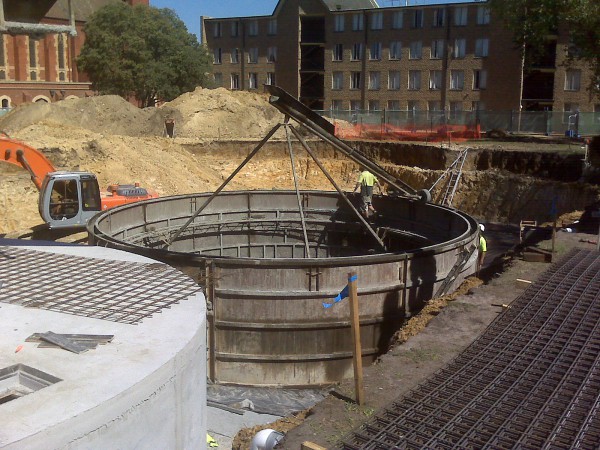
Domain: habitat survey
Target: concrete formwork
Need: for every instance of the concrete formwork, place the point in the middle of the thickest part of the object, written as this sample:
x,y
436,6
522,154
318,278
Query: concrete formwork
x,y
267,323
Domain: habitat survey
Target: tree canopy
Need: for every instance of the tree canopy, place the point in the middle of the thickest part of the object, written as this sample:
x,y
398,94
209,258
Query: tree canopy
x,y
531,21
142,51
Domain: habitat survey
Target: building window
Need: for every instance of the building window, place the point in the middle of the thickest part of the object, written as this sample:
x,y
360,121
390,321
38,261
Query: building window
x,y
460,46
478,106
457,80
3,69
437,49
417,19
272,54
374,105
414,80
483,15
337,80
397,20
377,21
393,105
339,23
355,105
460,16
218,77
413,105
456,107
416,50
33,58
337,104
235,29
235,55
357,50
358,22
272,27
235,81
253,28
482,47
252,80
374,80
61,50
435,79
253,55
439,16
355,80
573,80
375,51
434,105
571,107
479,79
338,52
394,80
271,78
395,50
217,56
217,29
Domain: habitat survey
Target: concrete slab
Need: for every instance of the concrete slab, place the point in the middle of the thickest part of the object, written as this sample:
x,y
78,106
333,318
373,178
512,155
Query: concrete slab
x,y
145,389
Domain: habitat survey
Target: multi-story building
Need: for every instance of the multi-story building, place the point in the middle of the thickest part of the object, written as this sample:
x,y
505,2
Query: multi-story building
x,y
353,54
39,43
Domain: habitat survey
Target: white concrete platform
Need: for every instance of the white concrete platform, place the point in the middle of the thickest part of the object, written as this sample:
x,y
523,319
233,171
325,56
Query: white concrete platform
x,y
144,390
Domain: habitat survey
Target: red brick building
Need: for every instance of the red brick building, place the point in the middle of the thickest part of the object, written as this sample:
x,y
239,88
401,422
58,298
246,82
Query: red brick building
x,y
352,54
39,42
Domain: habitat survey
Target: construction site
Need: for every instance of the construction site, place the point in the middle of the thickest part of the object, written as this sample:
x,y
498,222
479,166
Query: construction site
x,y
241,227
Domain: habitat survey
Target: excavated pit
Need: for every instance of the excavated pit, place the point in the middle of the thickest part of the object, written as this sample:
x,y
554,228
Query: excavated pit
x,y
268,324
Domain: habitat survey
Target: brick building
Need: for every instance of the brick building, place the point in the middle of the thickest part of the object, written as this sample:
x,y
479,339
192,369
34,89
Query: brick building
x,y
39,42
353,54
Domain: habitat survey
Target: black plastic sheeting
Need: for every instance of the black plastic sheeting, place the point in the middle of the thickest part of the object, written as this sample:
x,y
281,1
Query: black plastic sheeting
x,y
274,401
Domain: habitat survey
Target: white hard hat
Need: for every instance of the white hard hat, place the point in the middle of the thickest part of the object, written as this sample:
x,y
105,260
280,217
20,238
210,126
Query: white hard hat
x,y
266,439
481,227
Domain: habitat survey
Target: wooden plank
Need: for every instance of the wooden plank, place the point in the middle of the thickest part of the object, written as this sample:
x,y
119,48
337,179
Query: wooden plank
x,y
523,283
99,338
306,445
534,257
356,344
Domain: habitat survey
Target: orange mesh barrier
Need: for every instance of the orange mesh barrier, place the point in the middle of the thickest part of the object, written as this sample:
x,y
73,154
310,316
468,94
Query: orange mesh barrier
x,y
408,133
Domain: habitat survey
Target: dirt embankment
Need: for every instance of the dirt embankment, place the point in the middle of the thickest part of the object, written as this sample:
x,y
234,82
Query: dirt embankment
x,y
216,129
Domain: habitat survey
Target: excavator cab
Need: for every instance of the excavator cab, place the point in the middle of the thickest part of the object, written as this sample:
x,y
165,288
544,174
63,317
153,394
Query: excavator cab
x,y
69,199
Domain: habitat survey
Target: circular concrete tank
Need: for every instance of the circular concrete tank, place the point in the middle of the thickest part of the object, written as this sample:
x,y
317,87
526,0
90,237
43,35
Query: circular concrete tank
x,y
267,323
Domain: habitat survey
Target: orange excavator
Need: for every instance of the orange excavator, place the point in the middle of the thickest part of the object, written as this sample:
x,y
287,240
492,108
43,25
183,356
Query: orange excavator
x,y
67,199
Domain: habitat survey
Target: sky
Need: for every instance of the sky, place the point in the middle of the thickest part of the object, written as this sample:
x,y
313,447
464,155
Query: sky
x,y
190,10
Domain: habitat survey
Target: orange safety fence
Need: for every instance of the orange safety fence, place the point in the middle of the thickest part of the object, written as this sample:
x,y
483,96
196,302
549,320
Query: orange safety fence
x,y
408,133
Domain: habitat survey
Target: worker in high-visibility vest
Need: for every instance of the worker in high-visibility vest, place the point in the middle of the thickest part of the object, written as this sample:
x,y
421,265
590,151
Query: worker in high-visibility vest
x,y
366,181
210,442
482,248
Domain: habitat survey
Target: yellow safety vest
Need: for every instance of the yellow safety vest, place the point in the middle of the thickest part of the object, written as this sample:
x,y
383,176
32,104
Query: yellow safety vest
x,y
210,441
482,244
367,178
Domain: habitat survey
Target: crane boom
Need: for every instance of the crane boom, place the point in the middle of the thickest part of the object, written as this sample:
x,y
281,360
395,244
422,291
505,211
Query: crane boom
x,y
29,158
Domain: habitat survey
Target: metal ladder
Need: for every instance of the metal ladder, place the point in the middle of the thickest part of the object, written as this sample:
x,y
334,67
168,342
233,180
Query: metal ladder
x,y
461,262
453,172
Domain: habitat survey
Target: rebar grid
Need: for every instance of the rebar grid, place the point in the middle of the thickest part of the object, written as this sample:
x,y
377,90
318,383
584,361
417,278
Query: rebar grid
x,y
117,291
531,380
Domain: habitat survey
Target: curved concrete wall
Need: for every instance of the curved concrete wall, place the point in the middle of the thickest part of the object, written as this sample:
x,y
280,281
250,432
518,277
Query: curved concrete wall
x,y
267,325
145,389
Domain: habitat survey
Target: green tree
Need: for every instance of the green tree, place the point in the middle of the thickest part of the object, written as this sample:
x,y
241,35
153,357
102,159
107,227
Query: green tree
x,y
142,51
531,21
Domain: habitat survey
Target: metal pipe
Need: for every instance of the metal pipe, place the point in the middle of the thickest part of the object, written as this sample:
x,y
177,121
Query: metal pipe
x,y
337,188
225,183
289,143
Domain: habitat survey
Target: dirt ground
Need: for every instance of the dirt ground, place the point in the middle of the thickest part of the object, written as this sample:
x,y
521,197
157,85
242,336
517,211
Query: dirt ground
x,y
122,144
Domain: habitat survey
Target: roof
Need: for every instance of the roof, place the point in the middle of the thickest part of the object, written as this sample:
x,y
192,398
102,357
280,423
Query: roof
x,y
345,5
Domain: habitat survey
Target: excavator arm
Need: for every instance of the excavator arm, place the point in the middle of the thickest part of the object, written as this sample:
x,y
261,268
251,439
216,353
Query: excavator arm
x,y
29,158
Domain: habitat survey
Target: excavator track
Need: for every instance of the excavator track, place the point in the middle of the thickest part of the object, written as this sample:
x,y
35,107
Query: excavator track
x,y
531,381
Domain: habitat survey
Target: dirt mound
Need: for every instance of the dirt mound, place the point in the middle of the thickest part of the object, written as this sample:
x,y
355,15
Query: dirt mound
x,y
202,114
222,114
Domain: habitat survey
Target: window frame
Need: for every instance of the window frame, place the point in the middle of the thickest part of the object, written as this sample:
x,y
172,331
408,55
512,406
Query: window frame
x,y
417,51
414,80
